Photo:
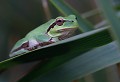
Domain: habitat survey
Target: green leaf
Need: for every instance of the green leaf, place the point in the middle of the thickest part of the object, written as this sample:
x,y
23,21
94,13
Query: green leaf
x,y
110,14
73,47
85,64
65,9
98,37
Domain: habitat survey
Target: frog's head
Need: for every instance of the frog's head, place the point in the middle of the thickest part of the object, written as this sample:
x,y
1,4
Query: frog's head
x,y
63,27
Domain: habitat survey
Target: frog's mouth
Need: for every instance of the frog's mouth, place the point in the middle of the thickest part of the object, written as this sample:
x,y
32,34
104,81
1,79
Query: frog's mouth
x,y
66,33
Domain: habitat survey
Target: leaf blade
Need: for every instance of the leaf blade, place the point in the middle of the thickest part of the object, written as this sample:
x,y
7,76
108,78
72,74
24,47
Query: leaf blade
x,y
110,14
81,66
65,9
85,40
73,52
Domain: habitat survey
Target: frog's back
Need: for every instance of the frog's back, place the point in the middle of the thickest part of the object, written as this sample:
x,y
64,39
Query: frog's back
x,y
41,30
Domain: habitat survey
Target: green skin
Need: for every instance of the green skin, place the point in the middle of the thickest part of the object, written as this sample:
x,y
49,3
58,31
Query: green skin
x,y
50,32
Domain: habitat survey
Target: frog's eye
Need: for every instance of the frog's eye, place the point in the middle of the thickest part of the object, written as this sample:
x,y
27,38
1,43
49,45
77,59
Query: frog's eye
x,y
60,21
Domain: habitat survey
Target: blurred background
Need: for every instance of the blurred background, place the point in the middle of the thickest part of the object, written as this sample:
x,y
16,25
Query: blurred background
x,y
18,17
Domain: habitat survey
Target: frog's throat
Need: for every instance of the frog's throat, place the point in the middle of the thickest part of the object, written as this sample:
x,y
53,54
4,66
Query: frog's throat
x,y
66,33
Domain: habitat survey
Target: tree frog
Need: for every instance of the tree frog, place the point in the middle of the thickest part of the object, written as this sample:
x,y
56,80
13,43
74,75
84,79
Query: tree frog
x,y
53,31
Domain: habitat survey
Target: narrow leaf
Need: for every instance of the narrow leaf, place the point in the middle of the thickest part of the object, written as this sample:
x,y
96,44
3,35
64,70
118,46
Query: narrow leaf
x,y
85,41
88,41
84,64
65,9
110,14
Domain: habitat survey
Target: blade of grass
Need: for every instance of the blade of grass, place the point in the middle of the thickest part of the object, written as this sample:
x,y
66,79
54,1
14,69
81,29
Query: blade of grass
x,y
110,14
83,65
75,49
79,43
65,9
